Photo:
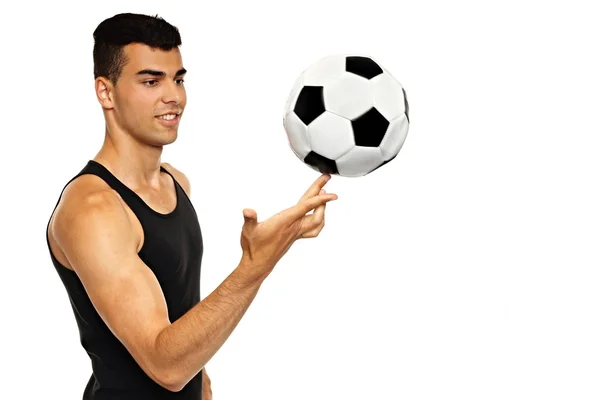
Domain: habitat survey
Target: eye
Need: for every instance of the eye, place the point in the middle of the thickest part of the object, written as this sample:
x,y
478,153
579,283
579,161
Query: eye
x,y
152,82
179,81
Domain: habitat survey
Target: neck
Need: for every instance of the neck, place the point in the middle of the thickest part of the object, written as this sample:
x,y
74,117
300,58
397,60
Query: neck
x,y
134,163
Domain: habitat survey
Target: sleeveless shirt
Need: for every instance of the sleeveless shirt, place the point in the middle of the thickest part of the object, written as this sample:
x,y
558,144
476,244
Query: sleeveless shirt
x,y
173,250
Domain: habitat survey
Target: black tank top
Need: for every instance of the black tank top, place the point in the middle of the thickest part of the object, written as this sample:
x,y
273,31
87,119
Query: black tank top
x,y
173,250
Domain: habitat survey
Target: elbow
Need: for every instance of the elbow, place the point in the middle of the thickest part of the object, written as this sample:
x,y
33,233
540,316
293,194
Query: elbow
x,y
170,372
170,380
163,371
166,375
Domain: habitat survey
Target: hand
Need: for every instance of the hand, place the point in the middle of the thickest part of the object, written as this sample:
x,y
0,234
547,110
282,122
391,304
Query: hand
x,y
206,388
264,243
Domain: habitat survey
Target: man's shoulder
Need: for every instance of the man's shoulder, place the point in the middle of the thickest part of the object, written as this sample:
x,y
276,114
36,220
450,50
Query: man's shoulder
x,y
88,210
90,191
88,198
179,176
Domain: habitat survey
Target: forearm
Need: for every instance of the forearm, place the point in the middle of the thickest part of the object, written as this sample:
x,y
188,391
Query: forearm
x,y
184,347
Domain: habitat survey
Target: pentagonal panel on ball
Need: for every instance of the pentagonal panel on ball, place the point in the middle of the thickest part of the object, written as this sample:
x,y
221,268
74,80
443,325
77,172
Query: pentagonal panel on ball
x,y
324,70
309,104
394,137
330,135
369,129
320,163
297,135
359,161
363,66
388,96
293,96
348,96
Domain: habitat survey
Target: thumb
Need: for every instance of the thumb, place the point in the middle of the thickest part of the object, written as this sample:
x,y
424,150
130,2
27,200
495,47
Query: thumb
x,y
250,218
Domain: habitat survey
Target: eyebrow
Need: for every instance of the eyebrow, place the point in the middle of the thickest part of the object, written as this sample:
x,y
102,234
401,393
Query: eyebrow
x,y
154,72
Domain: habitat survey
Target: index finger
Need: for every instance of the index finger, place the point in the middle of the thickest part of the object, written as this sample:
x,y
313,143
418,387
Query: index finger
x,y
316,187
303,207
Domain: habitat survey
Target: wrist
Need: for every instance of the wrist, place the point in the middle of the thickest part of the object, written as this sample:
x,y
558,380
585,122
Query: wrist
x,y
253,272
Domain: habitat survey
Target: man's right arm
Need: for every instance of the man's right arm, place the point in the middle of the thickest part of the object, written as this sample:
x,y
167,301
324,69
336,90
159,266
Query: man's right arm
x,y
96,235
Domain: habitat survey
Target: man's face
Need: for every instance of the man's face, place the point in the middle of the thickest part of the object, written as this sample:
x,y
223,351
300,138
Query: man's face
x,y
149,97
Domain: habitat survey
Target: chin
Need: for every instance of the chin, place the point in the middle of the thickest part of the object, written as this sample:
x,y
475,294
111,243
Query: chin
x,y
162,139
169,140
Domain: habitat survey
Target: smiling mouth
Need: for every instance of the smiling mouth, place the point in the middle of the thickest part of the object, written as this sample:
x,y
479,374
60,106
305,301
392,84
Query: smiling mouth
x,y
168,117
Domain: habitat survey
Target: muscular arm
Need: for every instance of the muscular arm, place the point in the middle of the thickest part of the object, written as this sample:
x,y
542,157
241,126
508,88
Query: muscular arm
x,y
128,297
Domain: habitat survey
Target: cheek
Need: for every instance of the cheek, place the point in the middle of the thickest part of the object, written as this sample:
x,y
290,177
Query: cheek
x,y
136,105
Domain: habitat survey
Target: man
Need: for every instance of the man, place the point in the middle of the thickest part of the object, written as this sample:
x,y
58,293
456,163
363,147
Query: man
x,y
125,239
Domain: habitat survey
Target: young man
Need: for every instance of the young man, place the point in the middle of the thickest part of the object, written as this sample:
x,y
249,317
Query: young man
x,y
125,239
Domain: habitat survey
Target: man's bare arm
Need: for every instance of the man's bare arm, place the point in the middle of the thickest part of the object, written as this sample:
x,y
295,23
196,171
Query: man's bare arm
x,y
96,235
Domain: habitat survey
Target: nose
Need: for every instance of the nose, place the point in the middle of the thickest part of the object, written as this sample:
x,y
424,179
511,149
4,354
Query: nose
x,y
172,94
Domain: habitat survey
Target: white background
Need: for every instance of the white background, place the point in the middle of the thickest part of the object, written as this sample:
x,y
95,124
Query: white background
x,y
467,268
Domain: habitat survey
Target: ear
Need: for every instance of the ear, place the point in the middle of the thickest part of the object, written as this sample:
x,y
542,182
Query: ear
x,y
104,92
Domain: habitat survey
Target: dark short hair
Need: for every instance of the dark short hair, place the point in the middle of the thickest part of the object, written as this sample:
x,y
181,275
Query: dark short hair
x,y
116,32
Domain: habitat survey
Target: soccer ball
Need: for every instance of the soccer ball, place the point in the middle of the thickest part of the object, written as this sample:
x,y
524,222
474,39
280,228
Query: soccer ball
x,y
346,115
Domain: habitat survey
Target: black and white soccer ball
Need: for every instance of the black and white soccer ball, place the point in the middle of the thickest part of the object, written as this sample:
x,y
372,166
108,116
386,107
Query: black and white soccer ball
x,y
346,115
